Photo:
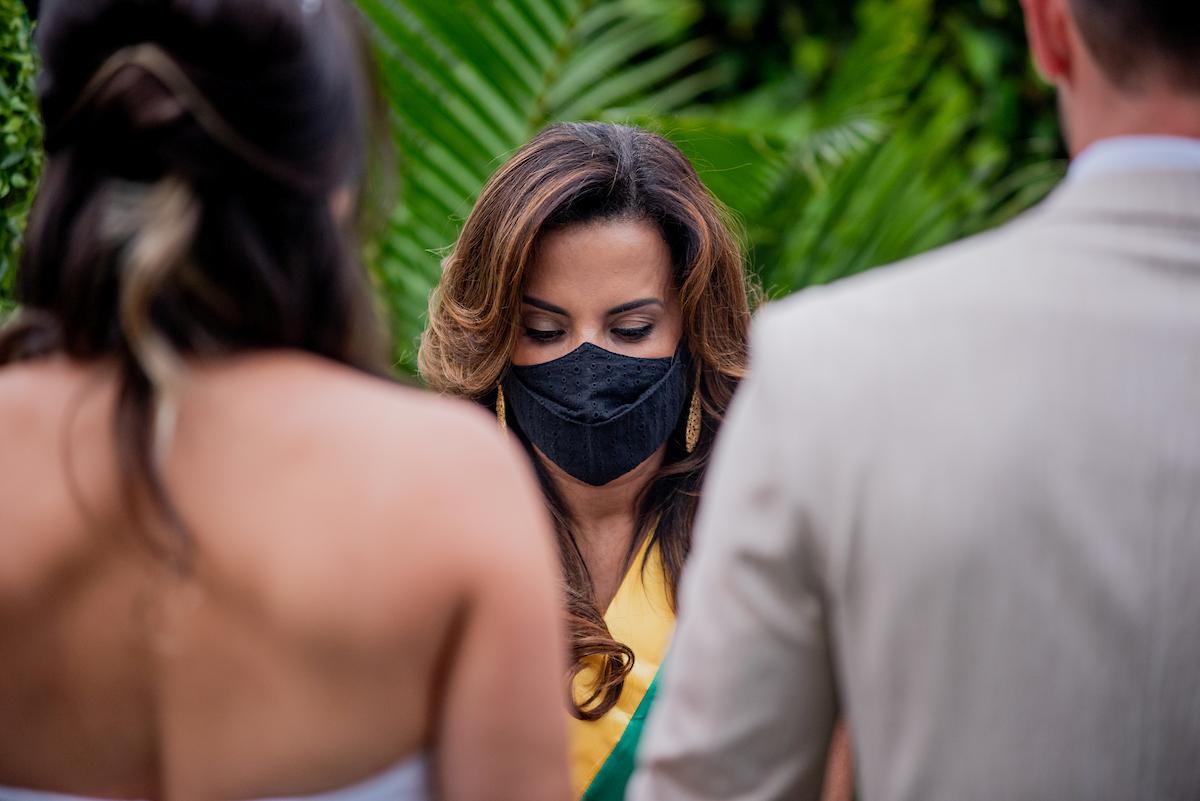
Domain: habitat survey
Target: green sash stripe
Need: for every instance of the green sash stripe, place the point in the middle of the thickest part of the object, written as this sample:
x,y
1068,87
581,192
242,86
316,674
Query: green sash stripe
x,y
617,770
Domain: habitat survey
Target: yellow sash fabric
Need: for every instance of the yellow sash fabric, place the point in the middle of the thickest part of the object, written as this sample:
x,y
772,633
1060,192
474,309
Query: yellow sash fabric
x,y
639,616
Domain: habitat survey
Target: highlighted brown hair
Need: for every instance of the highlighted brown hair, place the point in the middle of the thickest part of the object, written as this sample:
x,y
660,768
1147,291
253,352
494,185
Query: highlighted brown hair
x,y
575,173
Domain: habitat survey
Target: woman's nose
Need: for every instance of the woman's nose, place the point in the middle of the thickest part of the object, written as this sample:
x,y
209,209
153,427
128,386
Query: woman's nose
x,y
589,334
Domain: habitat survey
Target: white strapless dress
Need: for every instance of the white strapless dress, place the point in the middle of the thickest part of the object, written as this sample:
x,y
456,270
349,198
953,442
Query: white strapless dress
x,y
407,781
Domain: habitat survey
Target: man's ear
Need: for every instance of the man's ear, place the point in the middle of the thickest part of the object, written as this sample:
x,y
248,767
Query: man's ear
x,y
1048,23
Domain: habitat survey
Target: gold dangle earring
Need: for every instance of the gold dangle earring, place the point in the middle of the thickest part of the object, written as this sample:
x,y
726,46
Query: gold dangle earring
x,y
692,434
500,412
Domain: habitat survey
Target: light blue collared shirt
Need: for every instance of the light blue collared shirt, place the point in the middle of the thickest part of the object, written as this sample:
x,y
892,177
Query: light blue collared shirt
x,y
1136,154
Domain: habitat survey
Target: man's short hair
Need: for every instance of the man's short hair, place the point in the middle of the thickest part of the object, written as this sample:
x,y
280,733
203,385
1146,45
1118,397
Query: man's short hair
x,y
1136,41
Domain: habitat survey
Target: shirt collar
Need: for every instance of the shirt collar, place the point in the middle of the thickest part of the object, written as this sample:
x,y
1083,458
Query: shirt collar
x,y
1136,154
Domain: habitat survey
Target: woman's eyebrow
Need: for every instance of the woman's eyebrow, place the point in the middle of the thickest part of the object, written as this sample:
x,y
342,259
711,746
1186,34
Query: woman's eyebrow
x,y
544,306
635,304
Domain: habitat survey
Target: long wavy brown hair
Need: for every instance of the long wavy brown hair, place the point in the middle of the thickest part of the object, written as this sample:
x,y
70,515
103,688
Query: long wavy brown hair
x,y
576,173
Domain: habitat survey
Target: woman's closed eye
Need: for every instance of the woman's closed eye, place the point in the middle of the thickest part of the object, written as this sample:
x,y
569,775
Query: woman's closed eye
x,y
634,334
543,335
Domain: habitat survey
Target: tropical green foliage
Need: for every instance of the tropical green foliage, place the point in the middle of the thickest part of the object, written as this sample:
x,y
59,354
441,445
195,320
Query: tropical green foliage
x,y
20,138
921,109
844,135
859,138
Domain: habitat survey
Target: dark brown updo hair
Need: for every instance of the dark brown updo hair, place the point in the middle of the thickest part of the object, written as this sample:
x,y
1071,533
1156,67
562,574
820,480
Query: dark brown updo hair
x,y
575,174
194,147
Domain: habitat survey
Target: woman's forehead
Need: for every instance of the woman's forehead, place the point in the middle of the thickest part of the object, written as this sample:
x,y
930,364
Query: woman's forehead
x,y
595,262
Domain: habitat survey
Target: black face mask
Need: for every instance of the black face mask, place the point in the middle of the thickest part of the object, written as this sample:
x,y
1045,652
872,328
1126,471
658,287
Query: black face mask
x,y
597,414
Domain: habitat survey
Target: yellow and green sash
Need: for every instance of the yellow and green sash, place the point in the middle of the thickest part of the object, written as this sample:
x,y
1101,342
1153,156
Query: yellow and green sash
x,y
602,751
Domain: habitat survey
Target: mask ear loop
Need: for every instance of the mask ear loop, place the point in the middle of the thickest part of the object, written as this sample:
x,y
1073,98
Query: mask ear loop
x,y
158,63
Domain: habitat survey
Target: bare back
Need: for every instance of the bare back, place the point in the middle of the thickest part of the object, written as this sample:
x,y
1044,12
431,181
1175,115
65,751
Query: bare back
x,y
371,579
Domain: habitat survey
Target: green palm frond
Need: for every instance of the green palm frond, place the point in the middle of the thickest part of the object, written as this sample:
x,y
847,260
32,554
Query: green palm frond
x,y
471,81
793,177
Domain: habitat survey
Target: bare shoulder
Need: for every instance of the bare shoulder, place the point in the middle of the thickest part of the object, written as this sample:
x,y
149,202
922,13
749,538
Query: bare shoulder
x,y
50,411
21,427
426,442
37,401
405,478
336,403
25,388
18,386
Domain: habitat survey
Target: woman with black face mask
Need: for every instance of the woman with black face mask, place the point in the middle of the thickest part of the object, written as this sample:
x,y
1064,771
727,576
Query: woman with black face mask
x,y
597,301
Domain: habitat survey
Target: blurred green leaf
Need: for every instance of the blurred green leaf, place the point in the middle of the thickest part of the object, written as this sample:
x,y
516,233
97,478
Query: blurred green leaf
x,y
21,143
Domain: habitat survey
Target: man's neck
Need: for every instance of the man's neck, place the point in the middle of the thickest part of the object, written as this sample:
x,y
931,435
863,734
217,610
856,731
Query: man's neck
x,y
1160,112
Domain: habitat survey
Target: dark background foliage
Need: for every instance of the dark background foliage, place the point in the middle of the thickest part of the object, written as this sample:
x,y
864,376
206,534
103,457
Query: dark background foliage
x,y
20,137
928,119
